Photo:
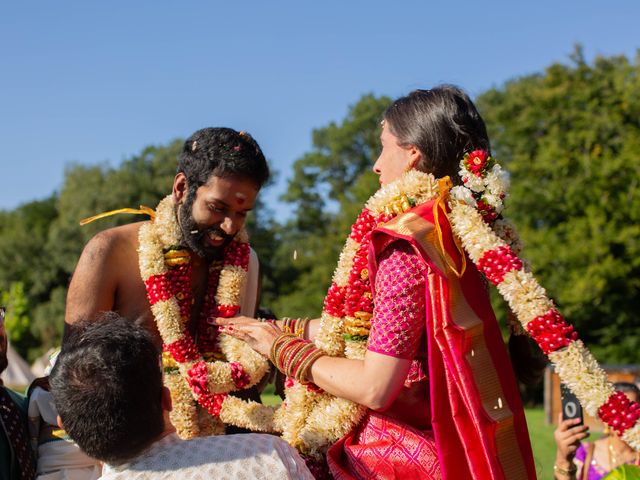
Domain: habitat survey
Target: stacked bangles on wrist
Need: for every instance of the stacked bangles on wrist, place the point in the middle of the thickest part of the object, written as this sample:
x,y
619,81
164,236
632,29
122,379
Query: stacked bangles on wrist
x,y
567,472
294,356
294,326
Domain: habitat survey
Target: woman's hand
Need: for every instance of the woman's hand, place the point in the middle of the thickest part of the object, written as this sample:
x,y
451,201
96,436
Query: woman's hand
x,y
568,436
259,335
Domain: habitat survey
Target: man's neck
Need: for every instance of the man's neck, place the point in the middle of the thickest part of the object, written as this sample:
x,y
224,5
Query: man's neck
x,y
168,427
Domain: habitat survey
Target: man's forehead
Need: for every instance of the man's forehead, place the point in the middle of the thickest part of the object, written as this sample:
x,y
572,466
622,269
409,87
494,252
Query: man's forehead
x,y
230,189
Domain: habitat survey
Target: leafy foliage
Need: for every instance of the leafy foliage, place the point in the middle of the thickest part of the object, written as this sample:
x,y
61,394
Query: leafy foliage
x,y
571,139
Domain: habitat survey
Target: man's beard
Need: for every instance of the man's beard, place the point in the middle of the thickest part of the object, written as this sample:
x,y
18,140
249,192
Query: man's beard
x,y
195,238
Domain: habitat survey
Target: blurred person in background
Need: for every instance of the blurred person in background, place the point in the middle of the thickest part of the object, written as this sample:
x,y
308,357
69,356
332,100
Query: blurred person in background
x,y
17,461
577,459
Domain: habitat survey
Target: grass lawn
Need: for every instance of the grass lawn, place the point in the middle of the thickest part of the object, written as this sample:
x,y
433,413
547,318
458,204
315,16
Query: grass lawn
x,y
269,397
542,443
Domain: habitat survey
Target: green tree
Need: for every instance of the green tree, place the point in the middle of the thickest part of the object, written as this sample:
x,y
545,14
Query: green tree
x,y
328,189
571,139
40,242
17,320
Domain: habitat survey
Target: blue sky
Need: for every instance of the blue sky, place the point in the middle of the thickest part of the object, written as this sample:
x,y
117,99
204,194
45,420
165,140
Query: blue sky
x,y
87,82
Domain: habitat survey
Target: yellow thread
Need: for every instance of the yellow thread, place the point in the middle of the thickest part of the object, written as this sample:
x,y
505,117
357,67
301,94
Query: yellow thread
x,y
141,211
444,185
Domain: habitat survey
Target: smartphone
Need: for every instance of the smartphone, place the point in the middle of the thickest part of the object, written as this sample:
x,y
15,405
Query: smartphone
x,y
571,407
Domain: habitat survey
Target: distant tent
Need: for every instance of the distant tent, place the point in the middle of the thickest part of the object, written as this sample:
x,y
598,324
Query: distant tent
x,y
18,373
42,364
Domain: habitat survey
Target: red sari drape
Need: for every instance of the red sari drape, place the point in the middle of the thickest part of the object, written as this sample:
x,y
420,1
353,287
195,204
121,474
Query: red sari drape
x,y
476,412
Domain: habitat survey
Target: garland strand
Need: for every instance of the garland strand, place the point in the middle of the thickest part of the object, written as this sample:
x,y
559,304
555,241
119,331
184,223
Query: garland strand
x,y
484,185
165,267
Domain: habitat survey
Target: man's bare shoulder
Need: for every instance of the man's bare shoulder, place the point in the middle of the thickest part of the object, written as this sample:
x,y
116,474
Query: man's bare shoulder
x,y
116,241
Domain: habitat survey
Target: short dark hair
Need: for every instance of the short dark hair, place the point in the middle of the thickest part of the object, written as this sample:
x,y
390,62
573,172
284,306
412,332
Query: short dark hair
x,y
222,152
443,123
107,387
628,387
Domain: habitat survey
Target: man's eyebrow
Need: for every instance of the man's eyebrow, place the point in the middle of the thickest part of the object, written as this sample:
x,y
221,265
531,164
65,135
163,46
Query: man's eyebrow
x,y
225,204
217,200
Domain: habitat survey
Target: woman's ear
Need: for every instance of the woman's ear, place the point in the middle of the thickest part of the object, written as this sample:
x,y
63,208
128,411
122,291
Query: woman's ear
x,y
180,188
414,157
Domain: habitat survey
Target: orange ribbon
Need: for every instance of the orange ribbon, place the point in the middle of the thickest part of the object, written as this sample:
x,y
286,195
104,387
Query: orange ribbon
x,y
444,186
141,211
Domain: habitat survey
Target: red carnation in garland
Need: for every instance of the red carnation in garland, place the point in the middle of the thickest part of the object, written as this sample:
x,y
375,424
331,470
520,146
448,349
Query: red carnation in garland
x,y
487,211
619,412
551,332
237,254
476,162
334,301
183,350
197,378
212,402
240,378
362,226
495,264
164,286
355,298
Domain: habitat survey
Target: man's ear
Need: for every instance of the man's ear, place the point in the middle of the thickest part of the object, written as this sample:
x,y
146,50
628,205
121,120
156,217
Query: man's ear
x,y
166,399
180,188
59,422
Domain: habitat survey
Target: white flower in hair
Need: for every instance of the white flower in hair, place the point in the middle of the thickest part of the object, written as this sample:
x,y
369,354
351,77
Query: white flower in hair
x,y
472,181
464,195
497,180
494,200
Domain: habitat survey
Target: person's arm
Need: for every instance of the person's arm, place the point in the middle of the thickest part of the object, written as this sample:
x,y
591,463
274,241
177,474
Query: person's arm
x,y
93,285
568,436
373,382
395,334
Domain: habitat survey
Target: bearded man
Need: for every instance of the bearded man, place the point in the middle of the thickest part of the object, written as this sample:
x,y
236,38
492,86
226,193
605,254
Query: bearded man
x,y
180,255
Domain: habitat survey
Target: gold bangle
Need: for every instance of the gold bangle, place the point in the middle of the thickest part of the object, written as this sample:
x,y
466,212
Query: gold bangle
x,y
306,365
277,345
301,327
567,473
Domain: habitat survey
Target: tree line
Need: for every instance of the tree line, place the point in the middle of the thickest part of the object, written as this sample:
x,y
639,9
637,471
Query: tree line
x,y
569,136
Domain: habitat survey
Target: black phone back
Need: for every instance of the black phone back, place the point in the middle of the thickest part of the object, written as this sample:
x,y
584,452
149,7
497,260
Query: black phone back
x,y
571,407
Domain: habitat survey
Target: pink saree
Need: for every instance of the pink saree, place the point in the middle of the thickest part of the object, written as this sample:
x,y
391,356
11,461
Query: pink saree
x,y
475,425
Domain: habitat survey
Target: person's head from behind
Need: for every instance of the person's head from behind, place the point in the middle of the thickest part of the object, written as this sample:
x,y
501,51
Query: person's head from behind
x,y
631,390
430,130
220,172
107,387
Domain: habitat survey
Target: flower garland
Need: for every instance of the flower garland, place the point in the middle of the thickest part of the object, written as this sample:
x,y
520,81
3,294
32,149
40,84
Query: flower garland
x,y
311,419
474,207
193,373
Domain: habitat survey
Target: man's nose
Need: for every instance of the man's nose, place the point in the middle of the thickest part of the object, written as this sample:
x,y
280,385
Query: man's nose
x,y
230,225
